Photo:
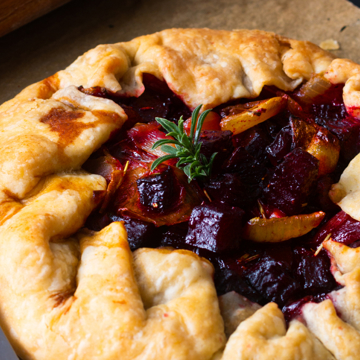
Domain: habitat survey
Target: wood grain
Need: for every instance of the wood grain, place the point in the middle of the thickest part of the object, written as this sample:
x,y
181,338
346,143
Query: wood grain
x,y
16,13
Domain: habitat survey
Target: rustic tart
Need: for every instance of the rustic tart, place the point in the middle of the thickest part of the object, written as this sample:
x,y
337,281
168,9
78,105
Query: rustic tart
x,y
119,241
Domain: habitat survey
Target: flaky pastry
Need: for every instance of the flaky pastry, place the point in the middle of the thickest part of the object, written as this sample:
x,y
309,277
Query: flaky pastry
x,y
68,293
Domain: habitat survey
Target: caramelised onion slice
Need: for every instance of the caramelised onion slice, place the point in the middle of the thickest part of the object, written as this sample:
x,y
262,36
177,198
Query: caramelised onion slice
x,y
112,170
244,120
325,146
211,122
317,141
145,135
281,229
317,85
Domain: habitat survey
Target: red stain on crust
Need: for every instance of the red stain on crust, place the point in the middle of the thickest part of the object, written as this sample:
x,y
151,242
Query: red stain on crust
x,y
353,111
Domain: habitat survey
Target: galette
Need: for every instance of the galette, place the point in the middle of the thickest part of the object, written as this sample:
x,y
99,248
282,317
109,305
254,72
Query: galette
x,y
190,194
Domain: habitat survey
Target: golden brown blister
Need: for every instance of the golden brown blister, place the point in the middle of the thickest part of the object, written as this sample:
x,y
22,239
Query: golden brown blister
x,y
40,137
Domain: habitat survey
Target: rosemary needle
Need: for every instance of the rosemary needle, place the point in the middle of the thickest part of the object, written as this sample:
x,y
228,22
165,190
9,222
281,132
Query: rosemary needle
x,y
187,148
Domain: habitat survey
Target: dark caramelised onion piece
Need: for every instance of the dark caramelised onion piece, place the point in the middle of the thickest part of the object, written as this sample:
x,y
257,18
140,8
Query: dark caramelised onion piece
x,y
239,108
302,132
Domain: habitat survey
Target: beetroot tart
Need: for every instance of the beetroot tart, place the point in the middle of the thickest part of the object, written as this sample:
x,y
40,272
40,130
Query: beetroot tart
x,y
191,194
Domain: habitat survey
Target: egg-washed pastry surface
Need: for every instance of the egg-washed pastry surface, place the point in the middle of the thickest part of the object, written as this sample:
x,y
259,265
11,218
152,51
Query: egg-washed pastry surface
x,y
67,292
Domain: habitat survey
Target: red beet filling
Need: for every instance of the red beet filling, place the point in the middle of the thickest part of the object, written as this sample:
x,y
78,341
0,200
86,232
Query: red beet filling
x,y
268,171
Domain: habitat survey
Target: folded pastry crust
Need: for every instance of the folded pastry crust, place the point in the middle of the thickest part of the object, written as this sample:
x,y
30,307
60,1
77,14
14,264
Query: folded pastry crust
x,y
68,293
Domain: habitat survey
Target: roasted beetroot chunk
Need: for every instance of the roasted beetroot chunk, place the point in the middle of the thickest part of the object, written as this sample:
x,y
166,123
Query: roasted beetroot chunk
x,y
174,235
219,142
97,221
293,180
158,192
216,141
229,276
231,190
343,229
215,227
254,141
281,146
313,272
272,279
322,199
140,233
293,309
244,164
156,101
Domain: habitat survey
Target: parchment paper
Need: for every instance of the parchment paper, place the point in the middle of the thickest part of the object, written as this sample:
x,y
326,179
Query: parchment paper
x,y
52,42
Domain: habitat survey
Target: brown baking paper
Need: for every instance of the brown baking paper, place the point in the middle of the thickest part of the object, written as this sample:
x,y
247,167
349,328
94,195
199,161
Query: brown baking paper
x,y
52,42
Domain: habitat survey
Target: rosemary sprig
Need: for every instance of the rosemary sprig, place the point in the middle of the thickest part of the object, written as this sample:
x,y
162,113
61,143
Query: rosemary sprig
x,y
187,148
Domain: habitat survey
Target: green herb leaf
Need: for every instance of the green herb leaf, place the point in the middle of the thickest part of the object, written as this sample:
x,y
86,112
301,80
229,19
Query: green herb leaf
x,y
200,124
194,118
168,125
162,142
169,149
161,160
187,148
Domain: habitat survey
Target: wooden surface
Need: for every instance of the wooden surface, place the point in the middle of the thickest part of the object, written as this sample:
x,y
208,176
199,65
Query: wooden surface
x,y
52,42
16,13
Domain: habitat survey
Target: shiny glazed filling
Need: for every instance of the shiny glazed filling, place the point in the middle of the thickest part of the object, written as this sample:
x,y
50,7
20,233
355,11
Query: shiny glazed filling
x,y
262,215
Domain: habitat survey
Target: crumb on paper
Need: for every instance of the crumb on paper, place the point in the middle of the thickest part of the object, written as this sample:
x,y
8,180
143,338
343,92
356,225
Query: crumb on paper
x,y
330,44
